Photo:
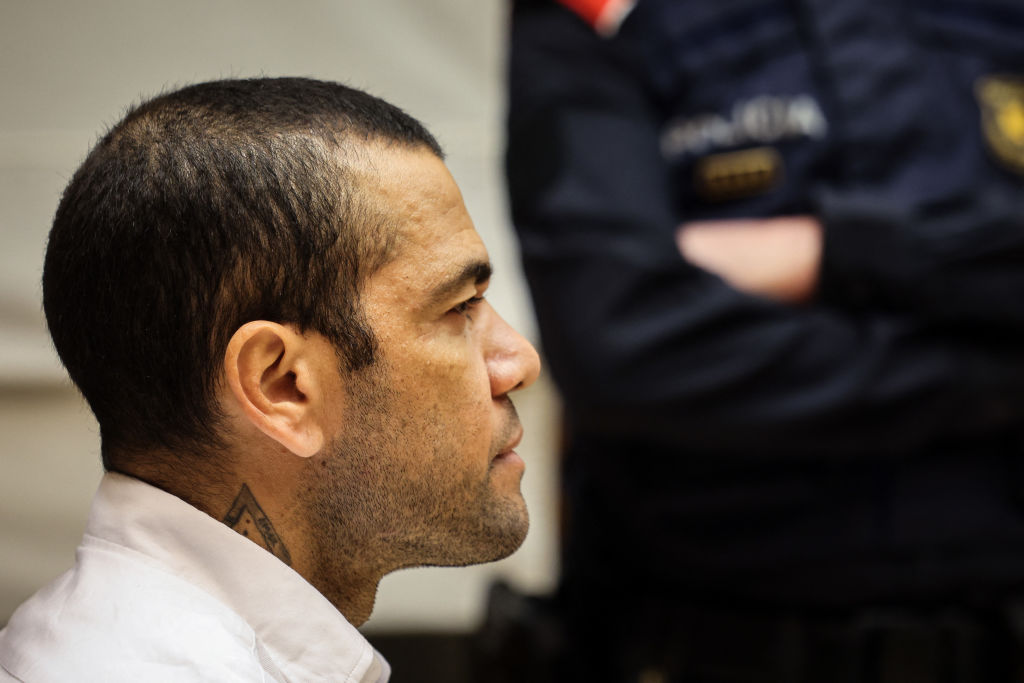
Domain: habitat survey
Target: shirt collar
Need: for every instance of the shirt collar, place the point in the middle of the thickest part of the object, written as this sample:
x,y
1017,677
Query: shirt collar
x,y
305,634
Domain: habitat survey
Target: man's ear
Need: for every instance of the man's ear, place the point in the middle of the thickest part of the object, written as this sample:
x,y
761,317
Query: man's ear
x,y
273,373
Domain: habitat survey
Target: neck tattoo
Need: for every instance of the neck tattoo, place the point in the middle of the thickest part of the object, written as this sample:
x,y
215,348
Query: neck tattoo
x,y
247,518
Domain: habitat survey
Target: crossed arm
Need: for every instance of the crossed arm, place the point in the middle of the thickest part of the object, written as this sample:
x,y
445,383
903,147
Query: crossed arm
x,y
778,258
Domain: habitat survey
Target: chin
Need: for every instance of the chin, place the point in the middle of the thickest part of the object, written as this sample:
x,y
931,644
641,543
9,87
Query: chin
x,y
511,534
499,535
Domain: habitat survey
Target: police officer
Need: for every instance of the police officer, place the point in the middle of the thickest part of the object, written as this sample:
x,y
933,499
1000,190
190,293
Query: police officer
x,y
776,251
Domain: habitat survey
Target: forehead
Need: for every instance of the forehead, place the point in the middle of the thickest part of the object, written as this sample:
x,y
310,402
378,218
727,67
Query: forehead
x,y
435,240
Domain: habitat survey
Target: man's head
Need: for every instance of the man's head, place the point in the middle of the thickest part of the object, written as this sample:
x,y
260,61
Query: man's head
x,y
201,210
274,284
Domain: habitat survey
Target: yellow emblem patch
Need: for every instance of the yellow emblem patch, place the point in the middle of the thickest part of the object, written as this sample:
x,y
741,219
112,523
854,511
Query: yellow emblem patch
x,y
735,175
1001,99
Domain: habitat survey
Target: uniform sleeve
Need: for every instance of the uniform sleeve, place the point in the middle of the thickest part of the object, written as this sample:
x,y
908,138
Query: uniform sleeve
x,y
959,261
643,344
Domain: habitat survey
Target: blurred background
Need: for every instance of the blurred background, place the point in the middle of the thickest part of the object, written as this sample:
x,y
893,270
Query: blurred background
x,y
69,69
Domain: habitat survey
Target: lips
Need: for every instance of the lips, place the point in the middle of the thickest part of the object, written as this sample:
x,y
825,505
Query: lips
x,y
515,431
514,441
511,433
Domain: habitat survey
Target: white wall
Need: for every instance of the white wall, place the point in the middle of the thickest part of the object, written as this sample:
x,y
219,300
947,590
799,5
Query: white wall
x,y
69,69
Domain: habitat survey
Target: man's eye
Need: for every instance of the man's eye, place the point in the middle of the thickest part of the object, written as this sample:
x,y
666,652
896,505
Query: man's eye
x,y
467,306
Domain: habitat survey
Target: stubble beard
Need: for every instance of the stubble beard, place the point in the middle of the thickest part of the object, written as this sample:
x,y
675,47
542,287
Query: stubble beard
x,y
368,515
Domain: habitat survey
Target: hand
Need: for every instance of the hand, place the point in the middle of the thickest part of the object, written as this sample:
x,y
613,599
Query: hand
x,y
778,258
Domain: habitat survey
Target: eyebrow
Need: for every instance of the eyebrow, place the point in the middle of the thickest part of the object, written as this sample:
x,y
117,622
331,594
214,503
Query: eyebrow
x,y
476,272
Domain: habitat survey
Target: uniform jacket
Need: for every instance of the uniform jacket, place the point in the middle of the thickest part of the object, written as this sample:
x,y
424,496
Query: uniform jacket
x,y
865,446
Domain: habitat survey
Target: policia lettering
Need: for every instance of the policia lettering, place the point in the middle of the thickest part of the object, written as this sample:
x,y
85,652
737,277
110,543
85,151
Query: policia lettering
x,y
763,120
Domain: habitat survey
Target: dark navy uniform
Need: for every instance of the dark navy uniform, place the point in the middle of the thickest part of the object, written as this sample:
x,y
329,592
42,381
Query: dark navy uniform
x,y
738,465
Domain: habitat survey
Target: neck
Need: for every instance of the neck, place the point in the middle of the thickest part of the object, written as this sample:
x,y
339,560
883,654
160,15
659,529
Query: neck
x,y
199,491
353,598
339,574
247,517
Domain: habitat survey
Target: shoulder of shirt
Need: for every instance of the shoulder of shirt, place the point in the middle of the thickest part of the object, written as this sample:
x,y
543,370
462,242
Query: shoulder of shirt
x,y
116,617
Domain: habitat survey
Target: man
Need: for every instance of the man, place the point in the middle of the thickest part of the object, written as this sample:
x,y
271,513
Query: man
x,y
272,297
794,448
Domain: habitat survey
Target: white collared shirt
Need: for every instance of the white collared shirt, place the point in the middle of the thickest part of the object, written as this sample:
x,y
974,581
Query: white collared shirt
x,y
160,591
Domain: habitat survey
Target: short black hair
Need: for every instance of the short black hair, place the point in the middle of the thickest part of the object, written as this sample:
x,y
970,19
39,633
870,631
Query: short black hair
x,y
205,208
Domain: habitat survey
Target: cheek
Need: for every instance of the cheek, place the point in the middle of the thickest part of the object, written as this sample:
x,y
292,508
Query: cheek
x,y
457,375
461,421
446,390
461,406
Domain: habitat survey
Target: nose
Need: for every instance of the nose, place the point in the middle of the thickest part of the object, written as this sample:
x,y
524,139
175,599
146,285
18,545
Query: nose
x,y
512,362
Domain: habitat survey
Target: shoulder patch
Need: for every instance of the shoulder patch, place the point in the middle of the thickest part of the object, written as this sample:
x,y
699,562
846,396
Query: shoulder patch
x,y
604,16
1001,100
